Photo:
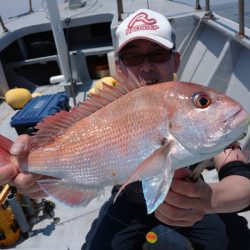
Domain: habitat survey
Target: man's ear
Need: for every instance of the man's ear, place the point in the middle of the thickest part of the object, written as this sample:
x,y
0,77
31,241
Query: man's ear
x,y
121,68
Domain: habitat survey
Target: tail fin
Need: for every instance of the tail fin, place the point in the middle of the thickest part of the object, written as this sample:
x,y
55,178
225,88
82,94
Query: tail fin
x,y
5,145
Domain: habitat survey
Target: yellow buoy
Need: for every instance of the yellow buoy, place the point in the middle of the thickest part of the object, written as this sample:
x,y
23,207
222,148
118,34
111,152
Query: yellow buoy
x,y
95,91
17,97
98,86
108,80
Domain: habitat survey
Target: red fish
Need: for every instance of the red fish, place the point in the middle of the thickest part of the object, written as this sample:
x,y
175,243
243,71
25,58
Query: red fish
x,y
130,133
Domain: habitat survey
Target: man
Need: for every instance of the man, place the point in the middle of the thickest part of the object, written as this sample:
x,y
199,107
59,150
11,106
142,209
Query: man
x,y
146,47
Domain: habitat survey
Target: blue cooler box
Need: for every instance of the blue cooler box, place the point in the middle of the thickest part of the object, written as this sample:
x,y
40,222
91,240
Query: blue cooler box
x,y
36,109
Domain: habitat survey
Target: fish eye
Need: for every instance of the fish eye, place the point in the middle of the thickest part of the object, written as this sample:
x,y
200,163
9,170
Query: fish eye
x,y
201,100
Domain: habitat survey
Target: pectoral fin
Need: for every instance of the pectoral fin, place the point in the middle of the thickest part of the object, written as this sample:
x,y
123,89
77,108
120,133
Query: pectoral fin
x,y
156,189
68,193
155,173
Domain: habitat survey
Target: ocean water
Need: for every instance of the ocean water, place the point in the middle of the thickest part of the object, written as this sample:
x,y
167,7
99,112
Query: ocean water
x,y
225,8
230,11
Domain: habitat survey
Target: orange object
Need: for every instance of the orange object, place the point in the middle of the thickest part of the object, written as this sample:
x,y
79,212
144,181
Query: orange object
x,y
9,230
151,237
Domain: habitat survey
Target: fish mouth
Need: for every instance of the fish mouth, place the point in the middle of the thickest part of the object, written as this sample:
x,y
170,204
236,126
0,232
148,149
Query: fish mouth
x,y
239,118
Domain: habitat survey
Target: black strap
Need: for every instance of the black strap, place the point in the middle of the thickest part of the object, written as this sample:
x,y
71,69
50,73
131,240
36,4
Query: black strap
x,y
235,168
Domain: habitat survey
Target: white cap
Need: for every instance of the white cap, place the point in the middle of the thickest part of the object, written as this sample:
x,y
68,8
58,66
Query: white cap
x,y
145,24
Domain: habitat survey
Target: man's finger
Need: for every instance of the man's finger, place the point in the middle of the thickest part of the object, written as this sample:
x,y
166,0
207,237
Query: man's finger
x,y
181,201
181,173
20,146
176,216
25,180
190,189
8,172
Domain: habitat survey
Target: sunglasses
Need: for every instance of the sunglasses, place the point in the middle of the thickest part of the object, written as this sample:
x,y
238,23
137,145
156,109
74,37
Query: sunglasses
x,y
135,59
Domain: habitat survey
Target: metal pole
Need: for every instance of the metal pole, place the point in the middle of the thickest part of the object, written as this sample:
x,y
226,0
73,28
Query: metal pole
x,y
4,87
3,26
59,37
197,5
18,212
120,9
28,206
30,6
241,18
207,5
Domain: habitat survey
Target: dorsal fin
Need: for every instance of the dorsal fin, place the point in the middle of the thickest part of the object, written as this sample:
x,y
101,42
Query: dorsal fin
x,y
54,125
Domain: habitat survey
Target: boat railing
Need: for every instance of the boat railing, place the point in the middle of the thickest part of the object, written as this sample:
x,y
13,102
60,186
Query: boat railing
x,y
241,11
28,12
30,6
119,9
198,7
3,26
241,18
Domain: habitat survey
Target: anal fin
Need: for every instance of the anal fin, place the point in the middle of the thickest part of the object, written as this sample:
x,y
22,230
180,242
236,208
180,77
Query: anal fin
x,y
68,193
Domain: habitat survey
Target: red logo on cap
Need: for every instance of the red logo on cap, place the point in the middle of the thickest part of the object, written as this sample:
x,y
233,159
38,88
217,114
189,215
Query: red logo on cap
x,y
141,22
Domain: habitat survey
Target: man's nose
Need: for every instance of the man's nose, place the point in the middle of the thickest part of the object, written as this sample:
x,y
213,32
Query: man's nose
x,y
147,65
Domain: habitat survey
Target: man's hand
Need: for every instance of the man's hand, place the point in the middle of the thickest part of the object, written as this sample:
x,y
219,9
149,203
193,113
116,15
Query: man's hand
x,y
24,182
186,202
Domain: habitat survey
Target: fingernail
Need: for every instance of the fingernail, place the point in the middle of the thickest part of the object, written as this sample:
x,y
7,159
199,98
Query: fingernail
x,y
17,148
